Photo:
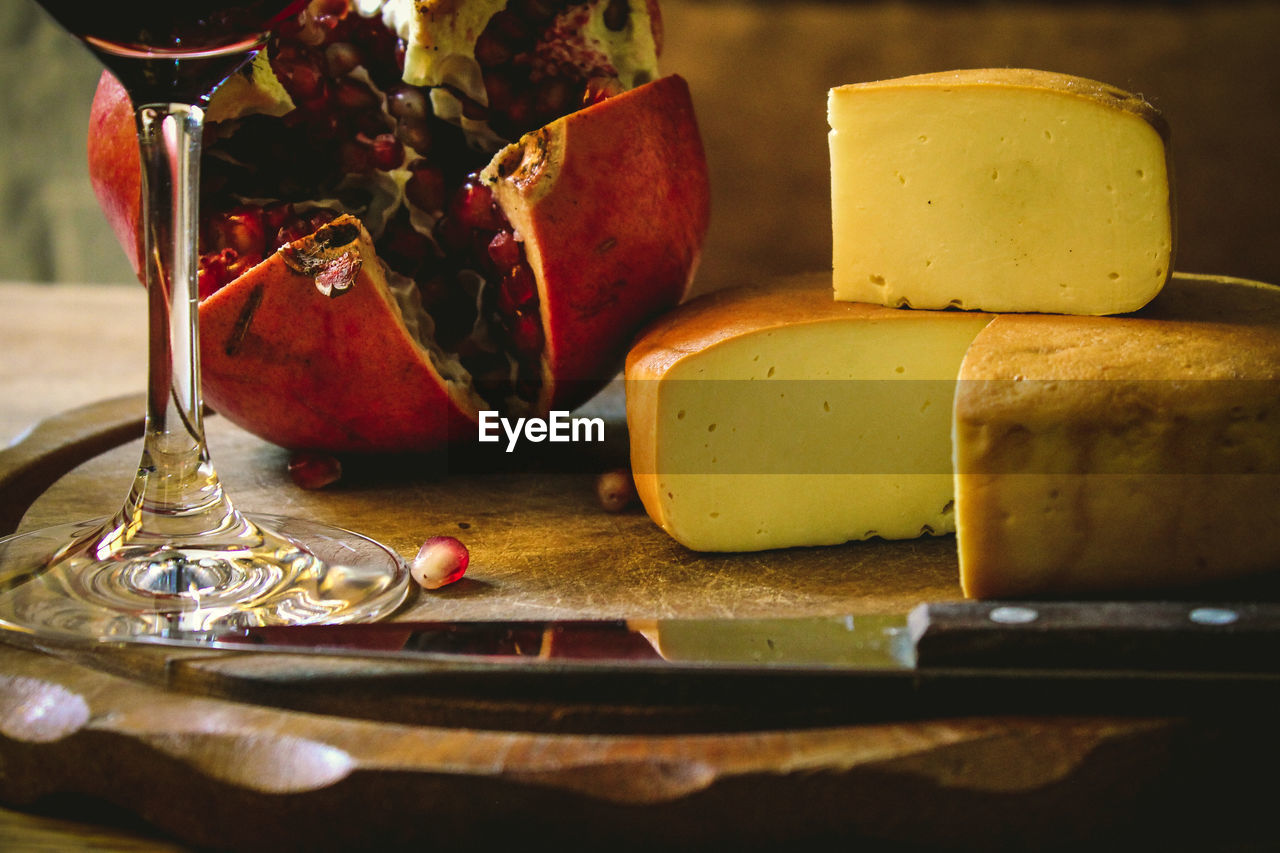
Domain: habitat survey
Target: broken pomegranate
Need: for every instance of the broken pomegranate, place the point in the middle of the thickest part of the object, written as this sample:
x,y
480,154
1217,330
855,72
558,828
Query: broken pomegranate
x,y
413,212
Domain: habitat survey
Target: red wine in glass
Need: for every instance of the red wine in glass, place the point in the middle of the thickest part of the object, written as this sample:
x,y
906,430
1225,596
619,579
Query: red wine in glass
x,y
178,558
172,49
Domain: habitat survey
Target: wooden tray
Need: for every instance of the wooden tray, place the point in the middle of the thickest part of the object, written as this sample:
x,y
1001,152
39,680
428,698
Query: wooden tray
x,y
207,746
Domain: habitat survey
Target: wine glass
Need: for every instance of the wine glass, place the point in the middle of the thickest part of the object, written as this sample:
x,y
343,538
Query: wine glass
x,y
178,557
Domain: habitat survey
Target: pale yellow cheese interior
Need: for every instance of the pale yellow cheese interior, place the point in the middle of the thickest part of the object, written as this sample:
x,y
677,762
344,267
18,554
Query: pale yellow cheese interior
x,y
999,190
812,434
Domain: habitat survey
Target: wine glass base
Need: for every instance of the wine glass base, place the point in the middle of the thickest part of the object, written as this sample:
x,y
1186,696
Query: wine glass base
x,y
294,571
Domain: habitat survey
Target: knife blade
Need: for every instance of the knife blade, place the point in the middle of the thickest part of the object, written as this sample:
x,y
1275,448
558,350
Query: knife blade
x,y
1190,638
941,659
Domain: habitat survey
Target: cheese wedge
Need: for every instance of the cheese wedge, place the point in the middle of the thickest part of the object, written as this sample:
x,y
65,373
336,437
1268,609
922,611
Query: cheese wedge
x,y
775,417
1124,453
999,190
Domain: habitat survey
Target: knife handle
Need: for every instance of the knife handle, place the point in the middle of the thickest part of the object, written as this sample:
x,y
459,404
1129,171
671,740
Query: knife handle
x,y
1102,635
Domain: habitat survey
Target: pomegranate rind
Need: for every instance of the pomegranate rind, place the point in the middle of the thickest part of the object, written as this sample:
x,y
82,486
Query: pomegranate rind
x,y
114,172
606,267
338,373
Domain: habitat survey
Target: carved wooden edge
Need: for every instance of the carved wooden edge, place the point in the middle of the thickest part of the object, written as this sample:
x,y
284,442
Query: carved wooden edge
x,y
58,444
233,775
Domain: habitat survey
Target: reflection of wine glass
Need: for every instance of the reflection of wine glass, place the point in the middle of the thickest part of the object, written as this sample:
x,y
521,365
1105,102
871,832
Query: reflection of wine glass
x,y
178,555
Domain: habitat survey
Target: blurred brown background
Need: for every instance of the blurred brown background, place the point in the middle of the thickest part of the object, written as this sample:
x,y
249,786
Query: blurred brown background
x,y
759,73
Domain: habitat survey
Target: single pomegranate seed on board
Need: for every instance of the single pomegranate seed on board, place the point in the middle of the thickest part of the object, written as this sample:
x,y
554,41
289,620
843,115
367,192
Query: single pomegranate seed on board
x,y
440,561
311,470
616,490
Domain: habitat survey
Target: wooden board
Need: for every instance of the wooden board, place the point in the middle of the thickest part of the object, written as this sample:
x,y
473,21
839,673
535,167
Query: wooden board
x,y
249,773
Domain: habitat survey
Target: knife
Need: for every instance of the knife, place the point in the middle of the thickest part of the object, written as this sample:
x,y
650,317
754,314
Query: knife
x,y
941,659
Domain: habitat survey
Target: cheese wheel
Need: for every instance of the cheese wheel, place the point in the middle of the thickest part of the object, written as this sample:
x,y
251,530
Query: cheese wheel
x,y
1123,453
999,190
774,417
1089,454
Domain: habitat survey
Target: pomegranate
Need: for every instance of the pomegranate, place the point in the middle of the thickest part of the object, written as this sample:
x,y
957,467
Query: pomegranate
x,y
415,211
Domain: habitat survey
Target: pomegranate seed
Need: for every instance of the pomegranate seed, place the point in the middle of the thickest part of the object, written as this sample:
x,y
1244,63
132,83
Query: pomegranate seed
x,y
388,153
355,158
335,8
433,291
319,217
241,229
498,87
295,228
415,135
301,76
529,381
404,248
553,96
214,272
328,23
274,216
518,119
536,11
507,26
601,88
342,58
504,250
526,334
408,102
451,234
311,32
473,207
425,187
490,50
311,470
518,292
616,490
440,561
354,96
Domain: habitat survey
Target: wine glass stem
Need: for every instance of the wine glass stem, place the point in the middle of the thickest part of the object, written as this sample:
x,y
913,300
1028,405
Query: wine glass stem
x,y
176,491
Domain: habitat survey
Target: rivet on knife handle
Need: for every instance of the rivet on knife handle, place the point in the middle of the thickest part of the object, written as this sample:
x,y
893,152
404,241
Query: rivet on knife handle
x,y
1098,635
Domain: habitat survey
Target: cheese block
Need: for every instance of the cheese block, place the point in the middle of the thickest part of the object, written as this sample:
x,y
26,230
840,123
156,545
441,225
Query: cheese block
x,y
1090,454
774,417
1123,453
999,190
